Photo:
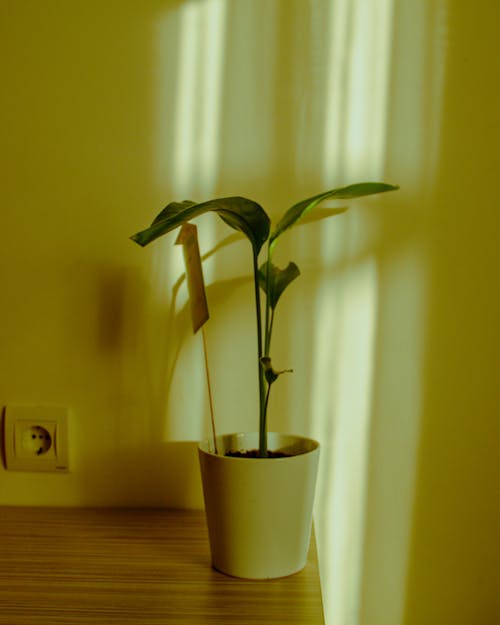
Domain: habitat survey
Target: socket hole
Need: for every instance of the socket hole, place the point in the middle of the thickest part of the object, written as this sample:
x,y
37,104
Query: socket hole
x,y
37,440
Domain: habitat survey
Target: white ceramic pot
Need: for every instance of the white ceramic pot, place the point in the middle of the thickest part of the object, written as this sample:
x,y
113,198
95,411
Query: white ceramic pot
x,y
259,510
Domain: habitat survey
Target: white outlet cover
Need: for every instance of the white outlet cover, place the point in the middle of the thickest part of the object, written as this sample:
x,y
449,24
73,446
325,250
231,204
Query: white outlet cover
x,y
36,438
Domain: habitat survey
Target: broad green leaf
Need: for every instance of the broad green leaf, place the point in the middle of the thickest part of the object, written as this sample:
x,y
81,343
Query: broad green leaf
x,y
299,210
278,280
171,209
322,213
240,213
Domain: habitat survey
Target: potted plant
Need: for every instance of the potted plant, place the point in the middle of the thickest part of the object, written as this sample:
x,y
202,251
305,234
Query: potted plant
x,y
259,487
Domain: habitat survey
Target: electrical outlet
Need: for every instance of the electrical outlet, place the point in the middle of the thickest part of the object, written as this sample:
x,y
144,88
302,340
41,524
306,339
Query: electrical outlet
x,y
36,438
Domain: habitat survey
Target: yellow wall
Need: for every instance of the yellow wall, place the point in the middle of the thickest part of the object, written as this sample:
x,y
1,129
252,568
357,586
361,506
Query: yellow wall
x,y
452,235
454,551
79,166
86,127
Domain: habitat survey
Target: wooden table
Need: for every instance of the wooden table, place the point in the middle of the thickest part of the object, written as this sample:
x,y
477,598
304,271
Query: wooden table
x,y
76,566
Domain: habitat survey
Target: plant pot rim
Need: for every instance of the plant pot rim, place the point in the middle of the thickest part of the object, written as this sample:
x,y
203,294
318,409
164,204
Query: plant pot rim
x,y
309,445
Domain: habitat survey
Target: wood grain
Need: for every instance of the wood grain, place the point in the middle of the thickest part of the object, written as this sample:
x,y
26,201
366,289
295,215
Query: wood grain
x,y
77,566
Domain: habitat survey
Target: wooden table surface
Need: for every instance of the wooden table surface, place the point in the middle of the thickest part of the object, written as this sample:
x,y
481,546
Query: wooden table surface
x,y
106,566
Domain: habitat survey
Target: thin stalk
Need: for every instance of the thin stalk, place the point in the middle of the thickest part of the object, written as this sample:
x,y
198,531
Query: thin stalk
x,y
269,330
269,334
268,324
267,398
209,387
262,390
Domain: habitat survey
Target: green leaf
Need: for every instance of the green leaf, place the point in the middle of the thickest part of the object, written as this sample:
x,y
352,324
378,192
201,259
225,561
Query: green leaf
x,y
299,210
240,213
278,280
172,209
321,213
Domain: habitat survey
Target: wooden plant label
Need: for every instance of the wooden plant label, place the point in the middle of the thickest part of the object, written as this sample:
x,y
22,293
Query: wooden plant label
x,y
188,238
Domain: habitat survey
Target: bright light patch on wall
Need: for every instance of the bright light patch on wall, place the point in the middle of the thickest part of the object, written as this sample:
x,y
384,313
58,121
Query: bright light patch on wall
x,y
354,146
357,89
397,410
201,51
193,166
341,402
202,28
187,99
191,157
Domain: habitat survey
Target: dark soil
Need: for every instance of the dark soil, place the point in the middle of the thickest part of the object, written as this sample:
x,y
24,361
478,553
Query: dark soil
x,y
254,453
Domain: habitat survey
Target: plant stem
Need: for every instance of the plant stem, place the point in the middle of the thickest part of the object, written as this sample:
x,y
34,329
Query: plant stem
x,y
268,284
269,334
262,390
267,400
